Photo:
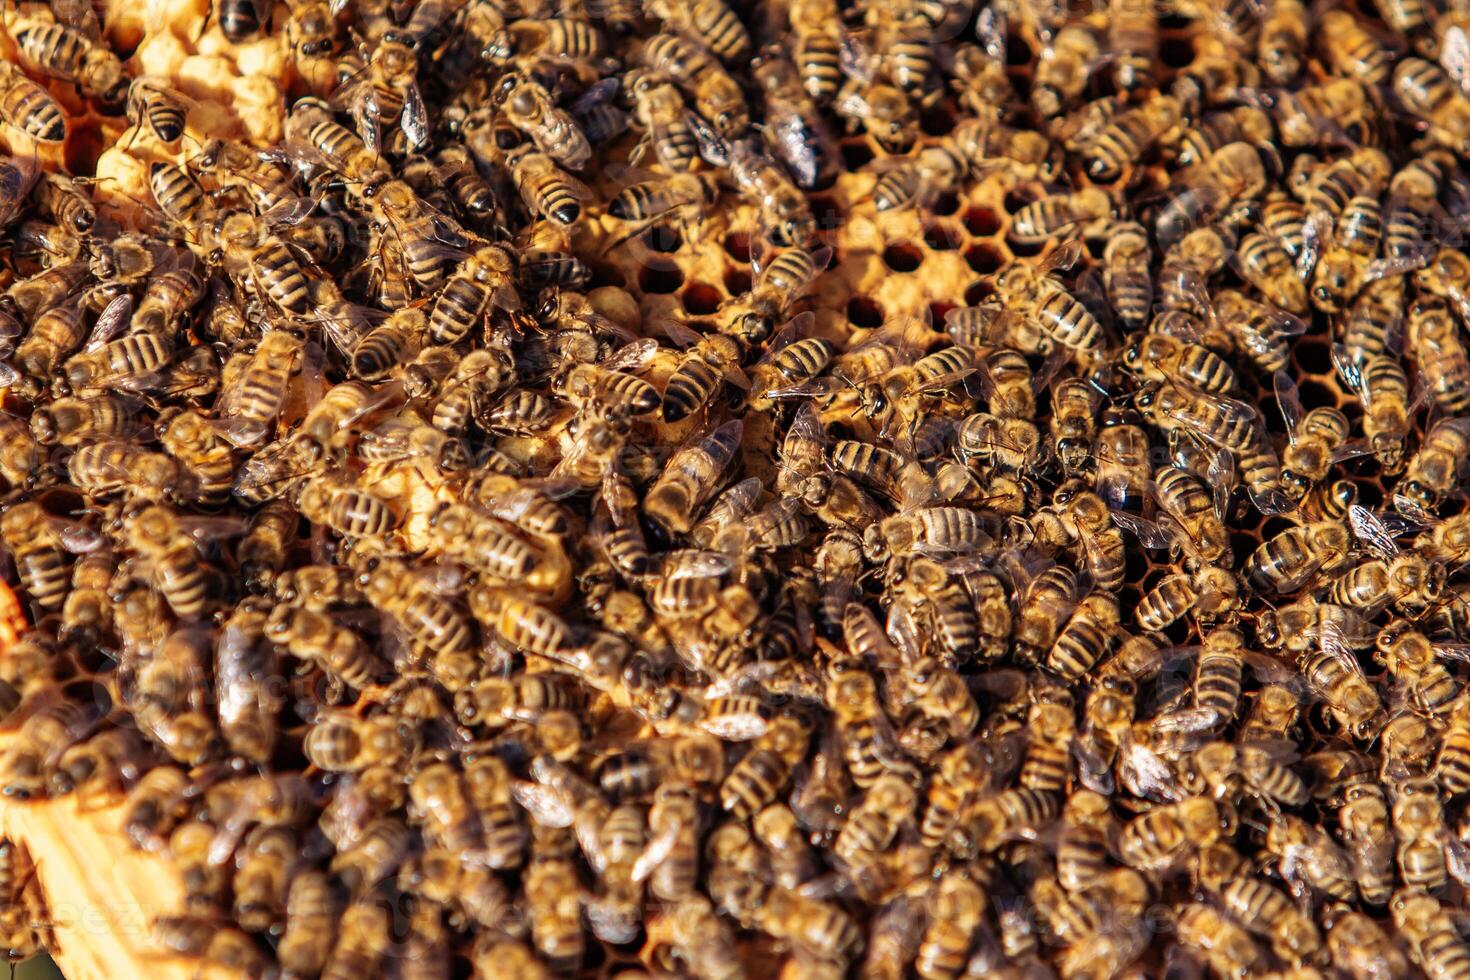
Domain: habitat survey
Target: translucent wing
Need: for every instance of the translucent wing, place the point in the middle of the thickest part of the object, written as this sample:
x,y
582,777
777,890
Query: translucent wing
x,y
632,356
1372,531
547,806
1454,55
1290,402
1152,536
290,211
415,118
1063,257
1348,369
990,31
697,564
111,322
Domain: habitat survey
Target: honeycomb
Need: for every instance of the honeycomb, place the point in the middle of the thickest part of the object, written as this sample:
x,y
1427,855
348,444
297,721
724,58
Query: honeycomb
x,y
885,268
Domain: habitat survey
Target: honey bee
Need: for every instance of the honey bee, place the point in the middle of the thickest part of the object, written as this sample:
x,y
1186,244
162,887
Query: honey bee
x,y
1161,357
1166,835
363,939
785,217
1126,274
482,279
383,93
1224,768
311,38
1061,70
818,928
28,764
800,135
346,509
1405,579
544,187
1426,91
1435,470
312,910
38,544
1063,319
152,103
1261,908
311,123
554,906
70,54
1225,946
29,107
313,637
251,254
872,826
1441,356
711,21
1015,814
528,107
1217,419
1353,51
1419,826
1059,215
226,947
1317,440
1263,263
57,332
660,110
155,806
1131,135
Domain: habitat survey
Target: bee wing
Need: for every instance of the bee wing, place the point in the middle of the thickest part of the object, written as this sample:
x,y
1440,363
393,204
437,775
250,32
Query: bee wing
x,y
548,806
1459,652
1146,774
656,851
1314,230
1230,409
1288,399
1093,770
415,117
1457,857
597,94
713,148
941,381
1454,55
1372,531
1383,268
202,528
240,433
990,31
614,500
698,564
1063,257
806,440
1114,488
797,328
1348,369
1187,721
678,332
365,118
290,211
818,388
904,632
1043,377
78,539
78,14
854,58
1152,536
632,356
111,322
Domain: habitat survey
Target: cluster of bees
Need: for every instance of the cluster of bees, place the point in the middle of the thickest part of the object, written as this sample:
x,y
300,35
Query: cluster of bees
x,y
432,601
